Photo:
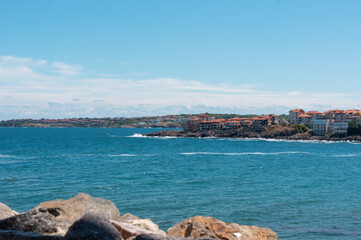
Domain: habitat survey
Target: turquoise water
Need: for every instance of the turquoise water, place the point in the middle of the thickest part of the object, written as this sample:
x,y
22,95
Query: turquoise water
x,y
302,190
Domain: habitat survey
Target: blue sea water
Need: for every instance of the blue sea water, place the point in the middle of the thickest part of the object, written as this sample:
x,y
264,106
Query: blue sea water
x,y
301,190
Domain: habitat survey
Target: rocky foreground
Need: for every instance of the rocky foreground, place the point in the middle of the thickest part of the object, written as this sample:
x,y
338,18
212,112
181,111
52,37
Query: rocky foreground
x,y
277,132
85,217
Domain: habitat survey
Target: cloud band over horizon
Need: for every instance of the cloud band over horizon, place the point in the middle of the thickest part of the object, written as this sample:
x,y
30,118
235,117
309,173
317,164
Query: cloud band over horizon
x,y
37,88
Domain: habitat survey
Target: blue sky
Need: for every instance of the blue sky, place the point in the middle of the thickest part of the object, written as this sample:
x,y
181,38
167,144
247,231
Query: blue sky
x,y
134,58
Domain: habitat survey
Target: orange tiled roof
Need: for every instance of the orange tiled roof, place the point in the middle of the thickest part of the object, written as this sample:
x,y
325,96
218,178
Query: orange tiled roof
x,y
352,111
297,110
335,111
305,115
313,112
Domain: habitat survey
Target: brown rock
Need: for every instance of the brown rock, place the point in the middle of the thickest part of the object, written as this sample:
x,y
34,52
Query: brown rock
x,y
146,224
202,227
71,210
128,230
127,217
74,208
6,212
160,237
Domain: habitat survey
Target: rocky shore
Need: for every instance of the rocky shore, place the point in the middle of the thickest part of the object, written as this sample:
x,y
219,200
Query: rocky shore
x,y
86,217
279,133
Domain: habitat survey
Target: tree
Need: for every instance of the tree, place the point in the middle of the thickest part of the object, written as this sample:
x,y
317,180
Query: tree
x,y
301,128
353,129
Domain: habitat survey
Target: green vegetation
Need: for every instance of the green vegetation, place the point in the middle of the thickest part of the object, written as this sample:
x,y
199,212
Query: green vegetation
x,y
301,128
353,129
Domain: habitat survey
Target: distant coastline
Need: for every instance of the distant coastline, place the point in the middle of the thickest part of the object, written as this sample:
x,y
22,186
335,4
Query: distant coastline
x,y
140,122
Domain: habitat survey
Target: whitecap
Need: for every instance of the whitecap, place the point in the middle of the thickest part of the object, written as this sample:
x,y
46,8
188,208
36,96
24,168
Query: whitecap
x,y
138,135
243,153
348,155
122,155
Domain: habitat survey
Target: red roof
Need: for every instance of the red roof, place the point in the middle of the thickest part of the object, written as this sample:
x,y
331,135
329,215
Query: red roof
x,y
352,111
297,110
305,116
335,111
313,112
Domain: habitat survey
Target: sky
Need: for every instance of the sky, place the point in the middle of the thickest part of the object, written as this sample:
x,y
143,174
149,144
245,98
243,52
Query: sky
x,y
61,59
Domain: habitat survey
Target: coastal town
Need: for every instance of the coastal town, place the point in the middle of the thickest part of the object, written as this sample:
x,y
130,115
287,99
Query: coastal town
x,y
332,122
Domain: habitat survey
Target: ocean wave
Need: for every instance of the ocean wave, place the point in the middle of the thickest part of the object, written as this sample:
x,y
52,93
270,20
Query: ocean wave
x,y
10,162
243,153
131,155
108,188
138,135
123,155
347,155
7,156
115,136
78,154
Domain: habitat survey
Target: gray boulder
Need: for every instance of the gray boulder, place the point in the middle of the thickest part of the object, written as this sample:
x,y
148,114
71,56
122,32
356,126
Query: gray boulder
x,y
93,227
39,220
6,212
17,235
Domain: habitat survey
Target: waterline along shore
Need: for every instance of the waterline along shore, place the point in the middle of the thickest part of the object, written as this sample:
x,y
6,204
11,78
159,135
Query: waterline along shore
x,y
280,133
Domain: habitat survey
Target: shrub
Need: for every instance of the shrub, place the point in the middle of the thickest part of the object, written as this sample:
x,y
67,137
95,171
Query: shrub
x,y
301,128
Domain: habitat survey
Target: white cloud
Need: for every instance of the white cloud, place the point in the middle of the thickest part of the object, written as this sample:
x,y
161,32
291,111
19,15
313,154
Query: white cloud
x,y
55,103
21,61
53,89
66,69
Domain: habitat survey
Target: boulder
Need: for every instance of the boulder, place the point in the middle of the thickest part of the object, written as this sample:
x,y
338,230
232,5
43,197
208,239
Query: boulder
x,y
6,212
129,230
127,217
37,220
160,237
204,227
147,224
17,235
93,227
74,208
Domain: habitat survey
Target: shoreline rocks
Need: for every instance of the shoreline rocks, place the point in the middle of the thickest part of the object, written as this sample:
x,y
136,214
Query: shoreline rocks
x,y
6,212
85,217
279,135
209,227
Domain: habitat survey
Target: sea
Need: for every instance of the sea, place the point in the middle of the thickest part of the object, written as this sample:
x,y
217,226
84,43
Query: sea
x,y
300,189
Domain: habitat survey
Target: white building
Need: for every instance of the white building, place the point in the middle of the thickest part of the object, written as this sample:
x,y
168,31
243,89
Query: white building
x,y
294,116
338,128
320,126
